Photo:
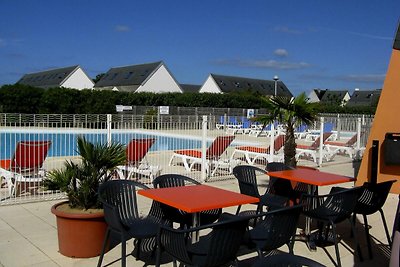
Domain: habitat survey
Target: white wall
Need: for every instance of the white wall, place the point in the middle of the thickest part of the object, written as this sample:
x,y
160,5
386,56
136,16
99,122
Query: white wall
x,y
78,80
160,82
210,86
312,97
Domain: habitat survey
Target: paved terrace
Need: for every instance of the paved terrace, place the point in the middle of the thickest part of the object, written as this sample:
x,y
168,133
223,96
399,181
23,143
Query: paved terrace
x,y
28,234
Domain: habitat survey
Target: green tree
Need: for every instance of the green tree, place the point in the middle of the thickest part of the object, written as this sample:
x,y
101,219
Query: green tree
x,y
291,112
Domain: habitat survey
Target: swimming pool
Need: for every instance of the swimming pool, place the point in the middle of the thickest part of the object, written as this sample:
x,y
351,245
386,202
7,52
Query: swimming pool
x,y
64,143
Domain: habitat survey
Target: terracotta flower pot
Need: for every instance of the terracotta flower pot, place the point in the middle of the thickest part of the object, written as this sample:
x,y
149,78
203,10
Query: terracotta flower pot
x,y
79,235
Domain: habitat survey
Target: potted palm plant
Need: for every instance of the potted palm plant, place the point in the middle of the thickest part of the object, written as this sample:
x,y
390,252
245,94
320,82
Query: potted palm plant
x,y
291,112
80,220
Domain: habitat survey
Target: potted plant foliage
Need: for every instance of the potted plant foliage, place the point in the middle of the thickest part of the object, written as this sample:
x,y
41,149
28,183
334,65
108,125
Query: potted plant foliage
x,y
291,112
80,220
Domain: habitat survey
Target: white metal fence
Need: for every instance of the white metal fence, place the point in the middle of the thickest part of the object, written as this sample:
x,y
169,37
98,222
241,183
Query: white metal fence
x,y
171,135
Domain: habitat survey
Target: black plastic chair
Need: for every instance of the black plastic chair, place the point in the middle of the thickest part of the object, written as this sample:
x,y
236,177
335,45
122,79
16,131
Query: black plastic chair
x,y
247,179
283,187
218,248
175,215
331,209
371,200
121,214
285,260
274,229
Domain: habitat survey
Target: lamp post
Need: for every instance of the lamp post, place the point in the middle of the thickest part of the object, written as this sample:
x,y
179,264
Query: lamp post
x,y
276,79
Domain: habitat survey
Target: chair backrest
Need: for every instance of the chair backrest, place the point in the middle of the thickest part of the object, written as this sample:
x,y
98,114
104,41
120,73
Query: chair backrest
x,y
119,202
301,128
340,202
172,180
353,139
328,127
246,123
218,146
315,144
279,142
233,120
247,179
137,149
373,197
275,228
279,186
29,155
223,242
284,260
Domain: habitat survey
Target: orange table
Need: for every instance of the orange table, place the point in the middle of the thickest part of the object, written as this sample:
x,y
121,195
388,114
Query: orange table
x,y
313,178
196,198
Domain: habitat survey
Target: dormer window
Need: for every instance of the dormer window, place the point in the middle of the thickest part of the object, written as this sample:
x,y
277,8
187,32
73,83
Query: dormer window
x,y
128,75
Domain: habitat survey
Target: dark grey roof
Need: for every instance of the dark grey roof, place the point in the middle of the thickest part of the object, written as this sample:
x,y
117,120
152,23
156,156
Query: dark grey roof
x,y
396,43
229,84
333,95
190,88
364,98
128,75
49,78
320,92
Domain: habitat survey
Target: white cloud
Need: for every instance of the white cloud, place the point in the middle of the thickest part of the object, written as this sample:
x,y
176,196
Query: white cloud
x,y
286,29
266,64
122,28
280,52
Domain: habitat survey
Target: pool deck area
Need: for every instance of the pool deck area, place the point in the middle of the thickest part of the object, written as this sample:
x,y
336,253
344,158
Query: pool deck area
x,y
28,234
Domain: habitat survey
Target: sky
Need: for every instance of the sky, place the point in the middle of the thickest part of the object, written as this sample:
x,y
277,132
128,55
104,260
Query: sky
x,y
308,44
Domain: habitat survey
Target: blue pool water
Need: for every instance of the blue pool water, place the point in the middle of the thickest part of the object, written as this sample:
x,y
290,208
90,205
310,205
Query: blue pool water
x,y
64,144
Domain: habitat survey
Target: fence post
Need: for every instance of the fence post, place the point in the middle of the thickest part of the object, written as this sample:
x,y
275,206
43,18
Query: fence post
x,y
204,149
321,141
272,141
109,116
338,127
358,144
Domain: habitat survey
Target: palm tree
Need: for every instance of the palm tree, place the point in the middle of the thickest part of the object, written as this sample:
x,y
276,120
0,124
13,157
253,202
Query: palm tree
x,y
81,181
291,112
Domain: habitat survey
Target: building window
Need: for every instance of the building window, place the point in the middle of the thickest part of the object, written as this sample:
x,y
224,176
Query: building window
x,y
113,76
128,75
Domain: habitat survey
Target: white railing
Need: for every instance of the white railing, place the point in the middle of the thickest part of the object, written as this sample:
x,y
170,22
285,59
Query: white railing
x,y
171,133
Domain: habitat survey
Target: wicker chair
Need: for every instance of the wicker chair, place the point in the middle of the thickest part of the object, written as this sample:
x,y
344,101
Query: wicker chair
x,y
219,247
274,229
247,179
121,214
371,200
331,209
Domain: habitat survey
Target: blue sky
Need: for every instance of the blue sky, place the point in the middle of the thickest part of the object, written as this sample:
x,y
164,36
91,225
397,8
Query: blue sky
x,y
307,43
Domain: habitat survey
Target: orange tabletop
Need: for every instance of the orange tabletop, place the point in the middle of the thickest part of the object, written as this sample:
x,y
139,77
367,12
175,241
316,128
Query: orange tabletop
x,y
312,177
196,198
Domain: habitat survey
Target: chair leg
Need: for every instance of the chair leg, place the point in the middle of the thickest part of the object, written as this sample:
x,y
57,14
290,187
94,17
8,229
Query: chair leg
x,y
367,236
354,223
386,228
123,251
259,252
358,248
139,243
103,249
238,209
339,264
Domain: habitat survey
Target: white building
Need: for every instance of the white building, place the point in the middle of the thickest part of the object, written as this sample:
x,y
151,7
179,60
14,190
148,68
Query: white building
x,y
69,77
150,77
